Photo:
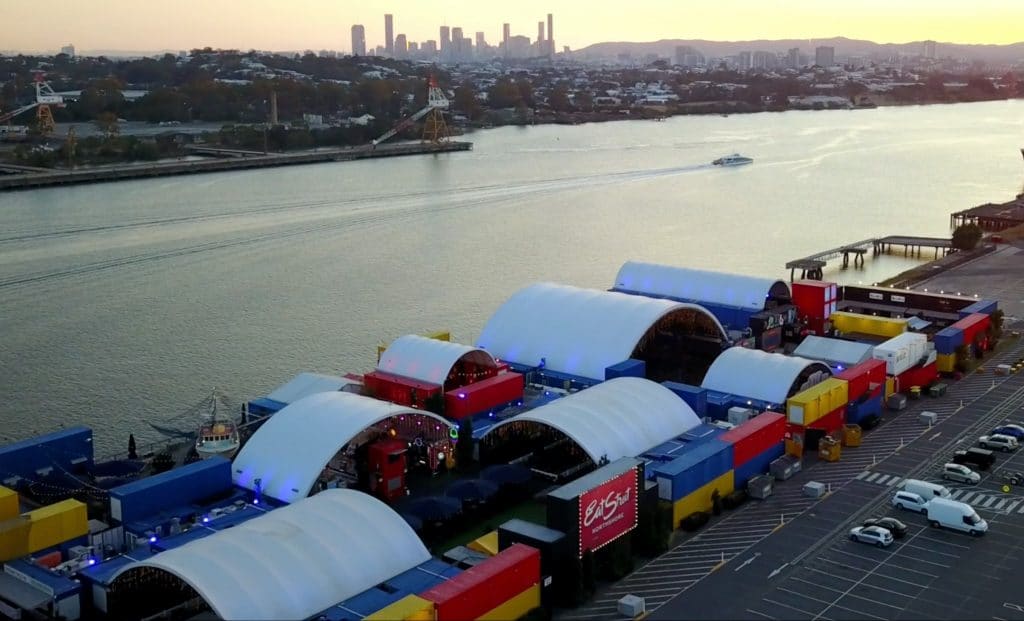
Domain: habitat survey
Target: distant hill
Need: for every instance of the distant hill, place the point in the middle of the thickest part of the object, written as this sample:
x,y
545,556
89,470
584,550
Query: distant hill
x,y
844,47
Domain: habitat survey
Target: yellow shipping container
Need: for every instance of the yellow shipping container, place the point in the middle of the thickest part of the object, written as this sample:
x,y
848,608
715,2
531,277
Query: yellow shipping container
x,y
8,504
868,324
57,523
890,386
700,500
838,393
409,608
487,544
14,538
809,405
515,607
945,363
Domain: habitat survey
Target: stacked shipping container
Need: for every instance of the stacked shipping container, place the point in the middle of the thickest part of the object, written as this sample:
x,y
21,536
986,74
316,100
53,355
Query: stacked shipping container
x,y
816,402
690,480
902,352
175,488
755,444
43,528
815,301
982,307
485,395
694,396
505,586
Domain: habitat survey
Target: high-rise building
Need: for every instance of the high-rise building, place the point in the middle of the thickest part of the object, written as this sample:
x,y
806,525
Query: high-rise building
x,y
551,34
687,56
481,45
445,41
505,32
358,40
825,56
429,48
541,49
400,47
389,34
793,58
929,49
456,53
519,47
68,50
745,60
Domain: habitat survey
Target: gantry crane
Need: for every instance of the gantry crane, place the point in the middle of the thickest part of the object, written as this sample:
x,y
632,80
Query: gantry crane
x,y
434,130
45,97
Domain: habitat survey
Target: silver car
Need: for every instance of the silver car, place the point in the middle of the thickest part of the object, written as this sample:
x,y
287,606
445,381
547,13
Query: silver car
x,y
876,535
961,473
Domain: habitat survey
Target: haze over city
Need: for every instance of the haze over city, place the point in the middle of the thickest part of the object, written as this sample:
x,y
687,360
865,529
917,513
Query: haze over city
x,y
324,24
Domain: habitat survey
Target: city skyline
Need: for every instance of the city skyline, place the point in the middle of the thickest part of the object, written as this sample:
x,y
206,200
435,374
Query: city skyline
x,y
313,24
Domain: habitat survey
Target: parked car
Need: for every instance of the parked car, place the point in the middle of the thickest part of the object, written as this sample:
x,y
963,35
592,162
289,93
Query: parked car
x,y
872,534
925,490
1012,477
946,513
891,524
961,473
982,458
998,441
1014,431
909,501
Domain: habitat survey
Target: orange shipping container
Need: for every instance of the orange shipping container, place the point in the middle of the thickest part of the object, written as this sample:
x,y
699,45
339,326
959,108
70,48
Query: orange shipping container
x,y
8,503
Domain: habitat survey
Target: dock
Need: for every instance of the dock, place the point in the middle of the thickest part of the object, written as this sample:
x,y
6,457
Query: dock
x,y
21,177
813,265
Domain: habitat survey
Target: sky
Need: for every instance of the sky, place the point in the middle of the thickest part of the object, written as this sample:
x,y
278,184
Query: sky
x,y
146,25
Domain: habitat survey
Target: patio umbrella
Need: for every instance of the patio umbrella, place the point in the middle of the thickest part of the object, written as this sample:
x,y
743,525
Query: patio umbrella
x,y
433,508
507,474
472,489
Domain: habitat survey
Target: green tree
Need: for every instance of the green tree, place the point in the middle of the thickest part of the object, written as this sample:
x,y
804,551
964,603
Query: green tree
x,y
466,101
966,236
559,99
464,445
107,123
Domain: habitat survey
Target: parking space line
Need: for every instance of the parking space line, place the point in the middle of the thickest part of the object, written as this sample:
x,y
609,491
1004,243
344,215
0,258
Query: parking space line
x,y
814,584
888,577
761,614
821,571
953,556
772,601
876,601
926,536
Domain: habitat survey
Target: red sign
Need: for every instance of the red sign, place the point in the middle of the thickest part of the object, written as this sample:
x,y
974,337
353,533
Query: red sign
x,y
608,511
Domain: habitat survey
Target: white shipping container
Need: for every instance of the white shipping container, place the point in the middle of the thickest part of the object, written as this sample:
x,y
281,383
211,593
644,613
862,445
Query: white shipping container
x,y
901,352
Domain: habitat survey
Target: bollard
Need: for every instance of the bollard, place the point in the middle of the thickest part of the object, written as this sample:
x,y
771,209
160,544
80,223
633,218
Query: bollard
x,y
782,519
874,462
723,556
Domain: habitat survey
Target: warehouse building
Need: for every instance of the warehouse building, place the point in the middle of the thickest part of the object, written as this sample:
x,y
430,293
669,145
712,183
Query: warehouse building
x,y
759,376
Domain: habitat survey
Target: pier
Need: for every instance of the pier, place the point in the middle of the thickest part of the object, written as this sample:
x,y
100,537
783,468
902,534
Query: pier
x,y
813,265
22,177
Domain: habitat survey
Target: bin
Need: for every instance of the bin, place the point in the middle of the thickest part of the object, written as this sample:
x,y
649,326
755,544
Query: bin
x,y
852,435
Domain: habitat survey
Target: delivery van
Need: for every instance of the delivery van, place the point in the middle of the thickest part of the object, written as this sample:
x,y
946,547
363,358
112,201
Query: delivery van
x,y
955,515
925,489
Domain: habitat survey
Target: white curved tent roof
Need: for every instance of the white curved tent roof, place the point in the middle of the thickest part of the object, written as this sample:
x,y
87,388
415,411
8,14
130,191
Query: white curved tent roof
x,y
748,292
622,417
576,331
305,384
426,359
756,374
298,560
290,450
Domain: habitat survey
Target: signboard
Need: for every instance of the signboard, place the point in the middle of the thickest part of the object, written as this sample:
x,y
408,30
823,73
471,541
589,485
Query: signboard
x,y
608,511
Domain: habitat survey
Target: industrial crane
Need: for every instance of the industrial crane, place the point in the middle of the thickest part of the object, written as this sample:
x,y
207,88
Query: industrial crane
x,y
45,97
434,129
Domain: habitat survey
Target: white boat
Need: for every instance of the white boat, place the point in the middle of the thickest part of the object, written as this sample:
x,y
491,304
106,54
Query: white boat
x,y
733,160
218,435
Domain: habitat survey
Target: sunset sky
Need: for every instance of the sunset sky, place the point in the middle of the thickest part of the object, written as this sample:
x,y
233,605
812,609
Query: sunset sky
x,y
144,25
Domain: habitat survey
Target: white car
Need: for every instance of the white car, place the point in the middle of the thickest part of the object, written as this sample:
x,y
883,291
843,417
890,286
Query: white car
x,y
877,535
961,473
998,441
909,501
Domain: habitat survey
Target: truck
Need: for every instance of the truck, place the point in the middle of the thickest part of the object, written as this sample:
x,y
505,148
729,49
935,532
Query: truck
x,y
982,458
955,515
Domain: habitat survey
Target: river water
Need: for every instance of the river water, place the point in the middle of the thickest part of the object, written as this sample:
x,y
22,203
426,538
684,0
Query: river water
x,y
126,302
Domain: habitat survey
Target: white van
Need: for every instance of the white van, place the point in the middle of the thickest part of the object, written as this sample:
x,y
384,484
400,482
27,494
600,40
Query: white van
x,y
926,490
946,513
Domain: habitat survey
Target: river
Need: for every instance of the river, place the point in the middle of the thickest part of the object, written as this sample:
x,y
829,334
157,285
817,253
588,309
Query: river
x,y
126,302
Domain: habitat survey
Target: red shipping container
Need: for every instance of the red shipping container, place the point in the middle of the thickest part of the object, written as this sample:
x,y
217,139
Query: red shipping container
x,y
755,436
814,299
486,586
833,421
483,395
917,376
861,377
972,326
398,389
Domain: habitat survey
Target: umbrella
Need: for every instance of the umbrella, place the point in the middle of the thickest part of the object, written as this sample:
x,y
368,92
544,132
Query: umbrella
x,y
433,508
507,474
472,489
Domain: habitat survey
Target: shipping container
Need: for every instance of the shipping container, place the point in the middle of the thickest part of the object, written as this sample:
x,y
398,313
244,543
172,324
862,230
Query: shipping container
x,y
902,352
483,396
857,323
14,538
718,404
814,299
830,422
694,396
974,328
945,363
552,544
770,340
890,386
400,390
626,368
409,608
9,506
701,433
758,464
69,449
702,498
982,307
861,378
573,507
754,437
860,411
515,608
176,488
484,587
696,467
921,376
808,405
948,339
56,523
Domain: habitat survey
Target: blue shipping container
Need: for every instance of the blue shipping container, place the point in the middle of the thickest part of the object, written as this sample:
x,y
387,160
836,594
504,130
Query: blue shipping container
x,y
948,339
694,396
626,368
68,449
666,451
984,307
860,410
178,487
264,407
699,464
719,404
702,433
757,465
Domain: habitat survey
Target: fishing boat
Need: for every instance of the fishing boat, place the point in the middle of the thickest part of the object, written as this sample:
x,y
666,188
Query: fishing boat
x,y
218,435
733,160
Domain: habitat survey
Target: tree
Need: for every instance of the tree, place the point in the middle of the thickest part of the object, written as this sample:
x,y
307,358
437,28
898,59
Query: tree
x,y
966,236
107,123
559,99
464,445
466,101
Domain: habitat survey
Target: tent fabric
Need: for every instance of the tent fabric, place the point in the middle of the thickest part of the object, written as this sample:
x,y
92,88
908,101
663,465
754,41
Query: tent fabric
x,y
426,359
289,451
699,286
298,560
755,374
833,351
622,417
575,331
305,384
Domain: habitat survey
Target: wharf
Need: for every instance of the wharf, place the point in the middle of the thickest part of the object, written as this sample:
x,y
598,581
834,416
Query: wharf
x,y
228,159
811,266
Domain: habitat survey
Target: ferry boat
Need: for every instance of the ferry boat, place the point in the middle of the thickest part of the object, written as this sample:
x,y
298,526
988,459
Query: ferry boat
x,y
217,435
733,160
